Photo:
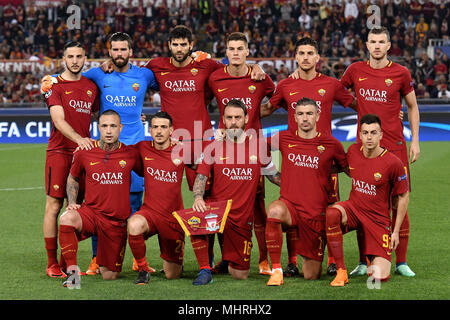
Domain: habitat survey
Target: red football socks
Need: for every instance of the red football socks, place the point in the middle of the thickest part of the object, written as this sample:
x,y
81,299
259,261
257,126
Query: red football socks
x,y
291,243
200,246
402,248
68,242
274,241
139,249
334,236
51,245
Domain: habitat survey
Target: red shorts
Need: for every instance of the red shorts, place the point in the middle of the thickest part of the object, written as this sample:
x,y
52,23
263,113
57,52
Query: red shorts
x,y
57,168
170,235
333,182
311,233
376,235
112,237
237,246
402,154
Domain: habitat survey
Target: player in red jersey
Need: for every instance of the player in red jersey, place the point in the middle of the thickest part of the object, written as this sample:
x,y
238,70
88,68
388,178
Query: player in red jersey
x,y
235,164
107,171
380,85
234,82
71,102
163,173
307,161
325,91
378,178
184,90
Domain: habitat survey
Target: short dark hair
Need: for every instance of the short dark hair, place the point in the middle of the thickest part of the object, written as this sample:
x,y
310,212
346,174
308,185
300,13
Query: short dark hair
x,y
121,36
72,44
305,101
369,118
110,112
379,30
237,36
236,103
180,32
306,41
161,115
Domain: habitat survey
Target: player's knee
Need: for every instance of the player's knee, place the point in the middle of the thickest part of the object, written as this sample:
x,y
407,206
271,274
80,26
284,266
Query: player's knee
x,y
68,218
275,210
136,225
333,216
238,274
108,274
173,273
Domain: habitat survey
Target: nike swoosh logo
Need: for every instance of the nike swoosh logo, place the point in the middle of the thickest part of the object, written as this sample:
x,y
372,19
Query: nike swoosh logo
x,y
332,228
291,145
68,92
362,79
105,86
246,259
220,90
164,73
351,168
223,158
148,159
94,163
292,93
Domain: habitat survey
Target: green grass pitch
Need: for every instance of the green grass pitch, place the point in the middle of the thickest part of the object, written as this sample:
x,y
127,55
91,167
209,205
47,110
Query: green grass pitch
x,y
23,258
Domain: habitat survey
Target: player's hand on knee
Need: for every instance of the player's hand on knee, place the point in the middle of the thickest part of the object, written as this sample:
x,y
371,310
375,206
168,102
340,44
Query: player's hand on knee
x,y
107,66
73,206
199,56
47,82
199,205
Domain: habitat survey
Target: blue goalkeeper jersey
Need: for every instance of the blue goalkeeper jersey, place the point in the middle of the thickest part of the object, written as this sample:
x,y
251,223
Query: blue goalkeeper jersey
x,y
124,92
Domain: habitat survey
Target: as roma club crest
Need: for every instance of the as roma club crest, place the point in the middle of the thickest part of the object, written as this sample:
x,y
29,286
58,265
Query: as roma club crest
x,y
122,163
320,148
377,176
194,71
322,92
135,86
388,82
251,88
89,93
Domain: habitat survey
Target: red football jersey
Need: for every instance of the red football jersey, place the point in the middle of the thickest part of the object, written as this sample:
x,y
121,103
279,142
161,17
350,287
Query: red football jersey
x,y
108,178
379,91
183,92
235,169
322,89
374,181
78,99
163,174
226,87
305,170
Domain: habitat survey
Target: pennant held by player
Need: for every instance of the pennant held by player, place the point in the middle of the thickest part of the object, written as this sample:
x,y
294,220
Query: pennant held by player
x,y
211,221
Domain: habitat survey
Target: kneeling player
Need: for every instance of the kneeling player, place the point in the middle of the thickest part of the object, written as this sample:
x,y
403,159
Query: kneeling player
x,y
163,174
307,159
107,168
376,175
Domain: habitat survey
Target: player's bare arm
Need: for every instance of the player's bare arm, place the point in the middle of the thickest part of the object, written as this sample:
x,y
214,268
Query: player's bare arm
x,y
414,122
72,189
199,191
402,201
57,115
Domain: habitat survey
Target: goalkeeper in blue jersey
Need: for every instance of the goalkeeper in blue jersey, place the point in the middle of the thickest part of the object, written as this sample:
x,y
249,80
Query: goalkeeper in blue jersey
x,y
123,91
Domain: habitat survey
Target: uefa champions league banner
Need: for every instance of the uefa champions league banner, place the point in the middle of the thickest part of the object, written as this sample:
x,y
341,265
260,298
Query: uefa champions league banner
x,y
34,125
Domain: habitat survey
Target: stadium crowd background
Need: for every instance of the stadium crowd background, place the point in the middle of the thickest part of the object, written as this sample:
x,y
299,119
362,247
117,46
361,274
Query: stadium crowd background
x,y
34,30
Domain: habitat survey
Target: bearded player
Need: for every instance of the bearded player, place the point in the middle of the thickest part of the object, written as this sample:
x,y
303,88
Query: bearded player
x,y
324,90
71,102
380,85
234,82
307,161
378,180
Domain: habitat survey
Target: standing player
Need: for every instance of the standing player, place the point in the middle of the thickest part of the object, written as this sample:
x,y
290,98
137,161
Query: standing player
x,y
377,177
324,91
71,102
184,90
235,163
163,174
307,160
123,90
107,172
379,85
234,82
